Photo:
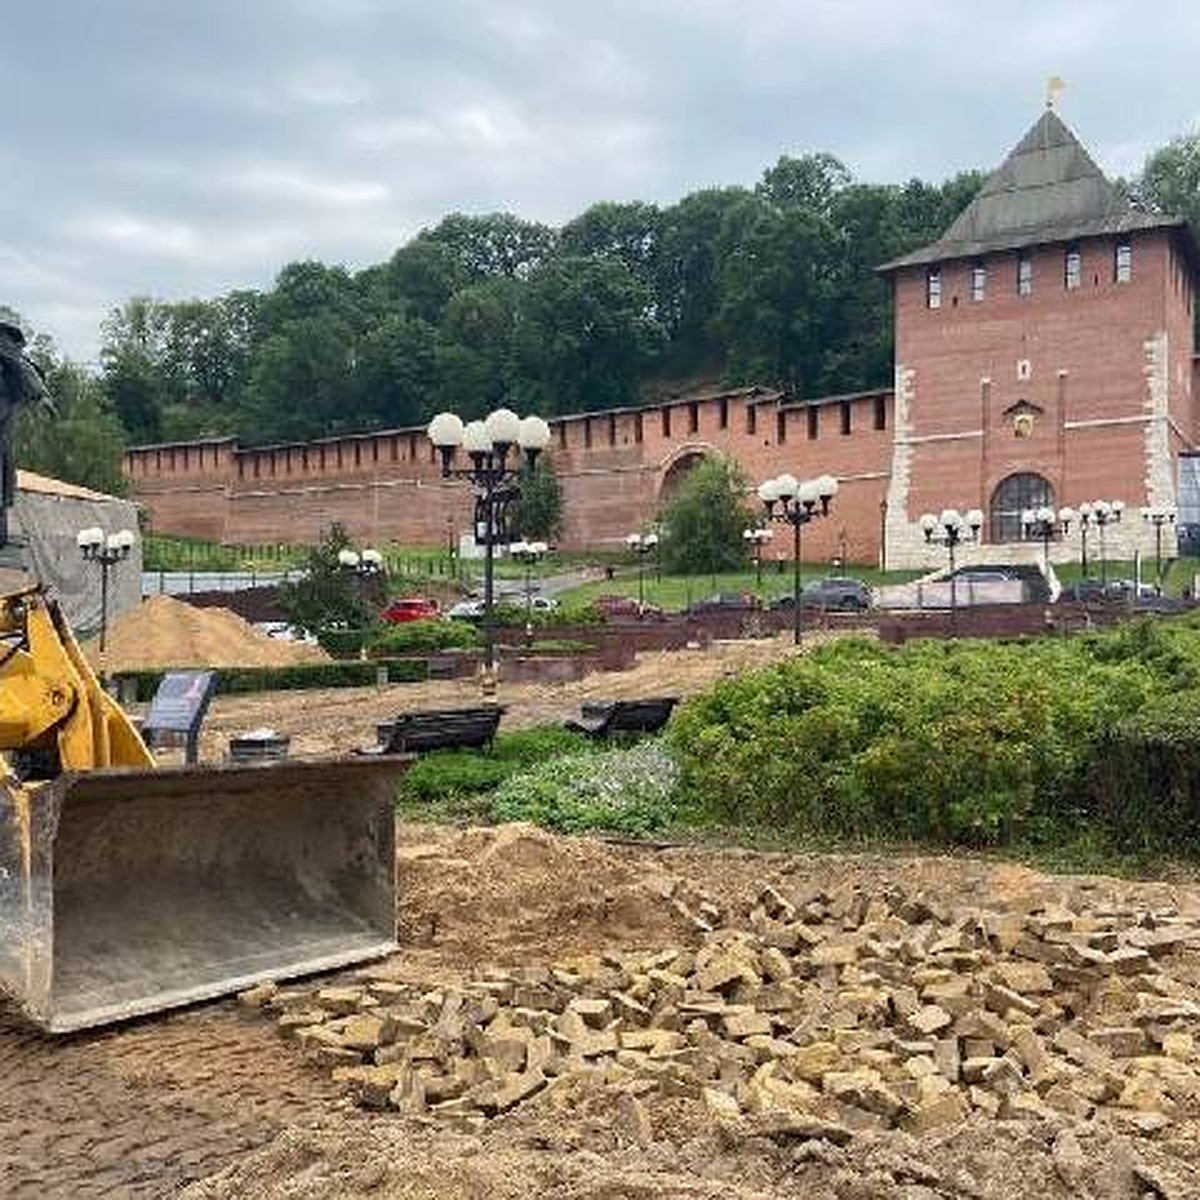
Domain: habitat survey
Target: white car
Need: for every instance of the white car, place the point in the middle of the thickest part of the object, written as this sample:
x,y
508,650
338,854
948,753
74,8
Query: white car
x,y
543,603
466,610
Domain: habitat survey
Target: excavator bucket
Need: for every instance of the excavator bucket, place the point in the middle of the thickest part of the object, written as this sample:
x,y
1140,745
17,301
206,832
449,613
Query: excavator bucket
x,y
128,891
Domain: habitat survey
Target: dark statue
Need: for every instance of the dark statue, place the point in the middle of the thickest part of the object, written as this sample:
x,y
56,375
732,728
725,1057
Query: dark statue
x,y
21,382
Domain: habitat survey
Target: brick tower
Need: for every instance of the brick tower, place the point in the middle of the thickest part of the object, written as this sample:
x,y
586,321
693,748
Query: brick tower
x,y
1044,355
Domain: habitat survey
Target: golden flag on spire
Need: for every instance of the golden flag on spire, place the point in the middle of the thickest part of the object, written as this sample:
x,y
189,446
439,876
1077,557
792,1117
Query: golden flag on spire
x,y
1054,85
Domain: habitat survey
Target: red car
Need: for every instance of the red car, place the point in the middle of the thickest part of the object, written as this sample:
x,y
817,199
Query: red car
x,y
411,608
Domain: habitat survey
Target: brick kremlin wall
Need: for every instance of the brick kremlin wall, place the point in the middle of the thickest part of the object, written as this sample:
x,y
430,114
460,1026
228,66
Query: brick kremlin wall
x,y
615,468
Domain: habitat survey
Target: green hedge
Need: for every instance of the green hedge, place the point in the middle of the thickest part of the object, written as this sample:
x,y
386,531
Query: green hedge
x,y
1145,777
412,637
240,680
967,743
447,775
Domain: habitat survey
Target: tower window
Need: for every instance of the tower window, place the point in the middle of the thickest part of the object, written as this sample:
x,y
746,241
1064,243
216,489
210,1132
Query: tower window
x,y
845,407
781,427
612,429
1072,268
1123,263
814,422
693,417
666,422
880,412
638,431
978,281
933,288
1024,276
751,418
723,413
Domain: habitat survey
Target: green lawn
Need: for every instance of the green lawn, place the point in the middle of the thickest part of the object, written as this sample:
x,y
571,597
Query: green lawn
x,y
1177,574
678,591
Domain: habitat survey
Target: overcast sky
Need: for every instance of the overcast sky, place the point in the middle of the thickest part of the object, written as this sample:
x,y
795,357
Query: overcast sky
x,y
185,147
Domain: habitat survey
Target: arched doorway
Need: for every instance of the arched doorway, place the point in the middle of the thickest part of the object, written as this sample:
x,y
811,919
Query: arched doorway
x,y
677,471
1011,498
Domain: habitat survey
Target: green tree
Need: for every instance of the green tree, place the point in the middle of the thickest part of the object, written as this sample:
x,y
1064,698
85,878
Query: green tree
x,y
82,442
477,348
1170,180
326,596
628,233
493,244
587,334
539,512
703,522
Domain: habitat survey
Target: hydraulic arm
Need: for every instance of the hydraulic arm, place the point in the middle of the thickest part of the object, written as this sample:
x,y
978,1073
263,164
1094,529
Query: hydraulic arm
x,y
50,699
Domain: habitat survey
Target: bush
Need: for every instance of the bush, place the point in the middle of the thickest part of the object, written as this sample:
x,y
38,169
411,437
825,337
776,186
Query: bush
x,y
341,642
946,742
452,774
622,791
1145,778
415,637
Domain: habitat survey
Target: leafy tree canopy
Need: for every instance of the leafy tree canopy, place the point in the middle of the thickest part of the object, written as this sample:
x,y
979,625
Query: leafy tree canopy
x,y
703,522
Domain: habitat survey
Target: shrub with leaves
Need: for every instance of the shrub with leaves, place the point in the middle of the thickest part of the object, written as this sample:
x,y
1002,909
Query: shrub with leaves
x,y
629,790
452,774
973,743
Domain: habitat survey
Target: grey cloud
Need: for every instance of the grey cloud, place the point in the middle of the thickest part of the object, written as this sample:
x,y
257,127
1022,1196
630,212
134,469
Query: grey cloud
x,y
175,149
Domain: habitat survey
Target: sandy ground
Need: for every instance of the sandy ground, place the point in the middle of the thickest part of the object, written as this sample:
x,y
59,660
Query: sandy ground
x,y
337,720
474,898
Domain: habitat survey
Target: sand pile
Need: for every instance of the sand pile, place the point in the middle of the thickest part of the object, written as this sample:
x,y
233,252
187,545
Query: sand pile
x,y
164,632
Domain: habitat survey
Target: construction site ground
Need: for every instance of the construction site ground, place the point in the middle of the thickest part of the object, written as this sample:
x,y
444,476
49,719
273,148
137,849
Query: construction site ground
x,y
212,1103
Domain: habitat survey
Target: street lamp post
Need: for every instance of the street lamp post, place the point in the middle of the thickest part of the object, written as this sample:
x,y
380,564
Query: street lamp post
x,y
530,554
107,552
502,450
951,528
1102,514
755,538
1045,524
787,499
364,567
642,544
1159,515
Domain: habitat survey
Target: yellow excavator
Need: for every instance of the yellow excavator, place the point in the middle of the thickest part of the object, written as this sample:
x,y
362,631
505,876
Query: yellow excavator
x,y
126,888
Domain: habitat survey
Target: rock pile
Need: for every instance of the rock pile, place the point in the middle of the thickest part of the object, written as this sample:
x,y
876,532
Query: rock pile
x,y
820,1014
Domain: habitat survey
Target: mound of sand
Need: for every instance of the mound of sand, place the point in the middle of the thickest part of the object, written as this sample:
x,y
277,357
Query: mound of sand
x,y
164,632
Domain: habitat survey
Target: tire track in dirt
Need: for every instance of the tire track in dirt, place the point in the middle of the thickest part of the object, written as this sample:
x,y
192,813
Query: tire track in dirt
x,y
145,1109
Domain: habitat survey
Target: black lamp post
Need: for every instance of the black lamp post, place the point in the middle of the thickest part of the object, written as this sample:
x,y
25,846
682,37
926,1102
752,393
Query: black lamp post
x,y
642,544
1045,524
755,539
364,567
1102,514
1159,515
107,552
951,529
502,449
787,499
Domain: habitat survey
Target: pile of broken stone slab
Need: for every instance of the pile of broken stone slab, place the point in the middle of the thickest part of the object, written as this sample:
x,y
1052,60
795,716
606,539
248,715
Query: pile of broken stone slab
x,y
839,1012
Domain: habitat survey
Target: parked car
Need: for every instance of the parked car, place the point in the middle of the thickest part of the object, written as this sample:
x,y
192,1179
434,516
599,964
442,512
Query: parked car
x,y
466,610
410,608
543,604
1088,591
727,602
835,594
626,606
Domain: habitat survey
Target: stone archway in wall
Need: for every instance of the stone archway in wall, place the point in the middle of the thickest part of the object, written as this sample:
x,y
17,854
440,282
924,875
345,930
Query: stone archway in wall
x,y
1013,495
677,470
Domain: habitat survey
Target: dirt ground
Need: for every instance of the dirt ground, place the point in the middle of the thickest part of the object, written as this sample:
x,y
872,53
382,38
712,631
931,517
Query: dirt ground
x,y
210,1104
337,720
